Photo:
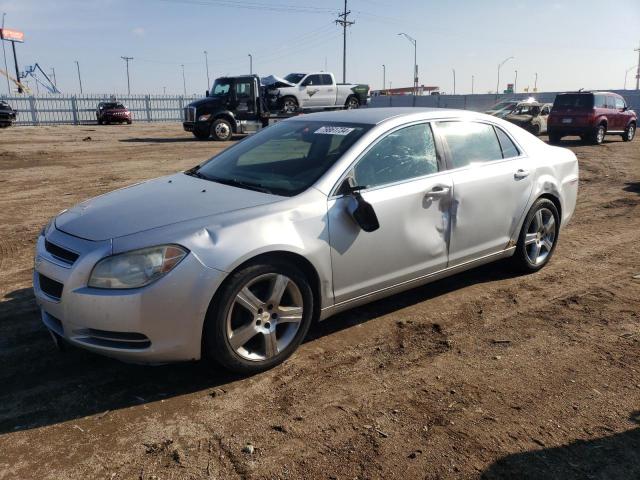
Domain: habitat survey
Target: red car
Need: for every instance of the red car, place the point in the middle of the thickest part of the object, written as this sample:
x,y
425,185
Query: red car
x,y
591,115
112,112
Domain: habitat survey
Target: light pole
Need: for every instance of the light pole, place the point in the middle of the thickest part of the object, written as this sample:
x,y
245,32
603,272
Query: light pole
x,y
454,80
206,62
79,77
184,82
535,83
473,78
384,77
499,67
515,83
250,64
415,61
625,76
4,54
127,59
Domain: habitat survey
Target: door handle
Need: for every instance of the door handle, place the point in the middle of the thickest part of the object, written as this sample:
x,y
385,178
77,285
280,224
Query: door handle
x,y
438,192
521,173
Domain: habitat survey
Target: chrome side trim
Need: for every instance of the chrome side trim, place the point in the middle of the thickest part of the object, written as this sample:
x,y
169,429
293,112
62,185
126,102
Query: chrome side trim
x,y
416,282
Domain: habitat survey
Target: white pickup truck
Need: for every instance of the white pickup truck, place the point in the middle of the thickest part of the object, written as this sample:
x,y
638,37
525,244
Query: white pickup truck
x,y
313,91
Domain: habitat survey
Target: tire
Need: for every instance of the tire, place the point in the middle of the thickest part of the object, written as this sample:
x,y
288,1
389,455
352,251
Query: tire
x,y
289,105
538,237
242,309
201,134
554,138
535,130
629,133
352,103
129,122
221,130
598,134
100,122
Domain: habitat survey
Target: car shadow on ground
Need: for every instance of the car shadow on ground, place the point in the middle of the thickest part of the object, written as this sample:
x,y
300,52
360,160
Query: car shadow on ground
x,y
41,386
159,140
611,457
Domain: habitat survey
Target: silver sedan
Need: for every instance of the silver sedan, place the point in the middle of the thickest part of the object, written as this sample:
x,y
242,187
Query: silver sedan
x,y
233,259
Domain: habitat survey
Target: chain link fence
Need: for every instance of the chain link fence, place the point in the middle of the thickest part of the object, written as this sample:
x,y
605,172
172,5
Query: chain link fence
x,y
81,109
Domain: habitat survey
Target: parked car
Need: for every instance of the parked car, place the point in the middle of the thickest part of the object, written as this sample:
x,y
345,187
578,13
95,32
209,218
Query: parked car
x,y
505,107
7,115
233,259
591,116
113,112
532,116
317,90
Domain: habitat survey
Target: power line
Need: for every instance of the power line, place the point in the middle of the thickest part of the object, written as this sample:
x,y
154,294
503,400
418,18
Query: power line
x,y
343,20
283,8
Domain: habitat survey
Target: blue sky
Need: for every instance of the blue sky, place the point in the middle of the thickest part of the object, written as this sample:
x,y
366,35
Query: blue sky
x,y
569,43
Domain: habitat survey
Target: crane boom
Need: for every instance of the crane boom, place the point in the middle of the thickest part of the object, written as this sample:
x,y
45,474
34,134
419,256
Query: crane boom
x,y
16,82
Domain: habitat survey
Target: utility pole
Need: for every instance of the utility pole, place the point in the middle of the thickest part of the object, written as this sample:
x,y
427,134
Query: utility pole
x,y
454,80
625,76
127,59
413,42
499,67
79,77
15,61
384,77
638,70
515,83
344,22
473,78
4,54
184,82
535,83
250,64
206,62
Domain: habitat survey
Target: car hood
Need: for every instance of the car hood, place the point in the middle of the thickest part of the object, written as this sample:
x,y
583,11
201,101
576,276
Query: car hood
x,y
155,203
273,81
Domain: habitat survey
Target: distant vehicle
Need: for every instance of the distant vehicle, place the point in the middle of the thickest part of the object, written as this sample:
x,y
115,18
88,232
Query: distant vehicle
x,y
532,116
505,107
591,116
112,112
7,115
317,90
245,104
234,259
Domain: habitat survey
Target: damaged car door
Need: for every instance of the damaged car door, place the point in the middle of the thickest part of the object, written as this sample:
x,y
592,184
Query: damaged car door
x,y
401,178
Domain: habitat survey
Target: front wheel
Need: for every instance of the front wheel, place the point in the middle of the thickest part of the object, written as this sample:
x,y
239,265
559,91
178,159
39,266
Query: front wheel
x,y
221,130
538,237
258,318
289,105
629,132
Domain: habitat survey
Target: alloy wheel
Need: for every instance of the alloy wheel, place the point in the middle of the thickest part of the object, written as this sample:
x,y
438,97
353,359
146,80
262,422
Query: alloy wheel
x,y
264,317
222,130
540,236
631,132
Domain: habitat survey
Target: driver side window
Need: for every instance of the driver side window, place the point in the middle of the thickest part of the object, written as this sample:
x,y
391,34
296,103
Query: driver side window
x,y
402,155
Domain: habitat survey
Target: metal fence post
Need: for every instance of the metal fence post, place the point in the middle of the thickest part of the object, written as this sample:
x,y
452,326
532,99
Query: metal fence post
x,y
74,109
34,113
147,102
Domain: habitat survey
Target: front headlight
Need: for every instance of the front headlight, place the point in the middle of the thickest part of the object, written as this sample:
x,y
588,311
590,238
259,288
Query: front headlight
x,y
204,118
136,268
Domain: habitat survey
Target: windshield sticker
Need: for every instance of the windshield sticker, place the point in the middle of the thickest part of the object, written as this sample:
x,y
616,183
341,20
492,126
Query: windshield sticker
x,y
334,130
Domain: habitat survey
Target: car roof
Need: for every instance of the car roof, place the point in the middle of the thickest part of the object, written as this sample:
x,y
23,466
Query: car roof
x,y
374,116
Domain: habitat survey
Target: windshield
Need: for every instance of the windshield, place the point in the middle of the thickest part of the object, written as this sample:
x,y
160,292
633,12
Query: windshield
x,y
574,100
527,110
220,88
285,158
294,77
110,106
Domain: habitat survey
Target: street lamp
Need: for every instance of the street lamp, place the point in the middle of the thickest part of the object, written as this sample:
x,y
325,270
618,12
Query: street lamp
x,y
499,67
184,82
515,83
454,80
79,77
473,78
415,61
625,76
206,62
384,77
250,64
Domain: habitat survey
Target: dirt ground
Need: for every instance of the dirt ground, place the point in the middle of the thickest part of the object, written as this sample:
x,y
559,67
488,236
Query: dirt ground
x,y
483,375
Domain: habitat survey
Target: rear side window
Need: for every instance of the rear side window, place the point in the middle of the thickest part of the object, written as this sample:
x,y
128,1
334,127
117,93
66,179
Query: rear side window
x,y
620,103
599,101
326,80
509,150
470,142
574,100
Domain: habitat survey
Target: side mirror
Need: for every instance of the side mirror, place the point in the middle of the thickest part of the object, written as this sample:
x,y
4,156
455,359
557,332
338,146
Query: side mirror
x,y
360,210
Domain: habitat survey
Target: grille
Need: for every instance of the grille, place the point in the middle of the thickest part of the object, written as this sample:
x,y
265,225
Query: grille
x,y
105,338
190,114
63,254
50,287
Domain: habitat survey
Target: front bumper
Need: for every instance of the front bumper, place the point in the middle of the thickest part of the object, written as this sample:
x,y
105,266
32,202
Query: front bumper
x,y
159,323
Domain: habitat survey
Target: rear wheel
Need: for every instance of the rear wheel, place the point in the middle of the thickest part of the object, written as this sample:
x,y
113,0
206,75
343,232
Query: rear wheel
x,y
258,318
554,138
629,133
597,137
538,237
221,130
352,103
535,130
